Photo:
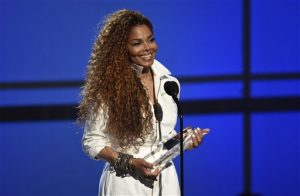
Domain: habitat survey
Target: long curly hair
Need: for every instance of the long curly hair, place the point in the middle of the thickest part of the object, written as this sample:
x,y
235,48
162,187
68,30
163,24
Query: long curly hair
x,y
113,86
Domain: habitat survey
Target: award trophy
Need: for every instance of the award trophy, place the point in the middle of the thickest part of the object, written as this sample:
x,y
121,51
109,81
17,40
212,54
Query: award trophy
x,y
173,147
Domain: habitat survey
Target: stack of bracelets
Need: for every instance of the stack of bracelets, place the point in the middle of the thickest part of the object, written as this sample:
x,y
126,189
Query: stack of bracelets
x,y
122,163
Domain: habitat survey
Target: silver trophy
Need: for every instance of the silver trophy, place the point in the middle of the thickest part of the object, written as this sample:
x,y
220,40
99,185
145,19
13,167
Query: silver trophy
x,y
173,148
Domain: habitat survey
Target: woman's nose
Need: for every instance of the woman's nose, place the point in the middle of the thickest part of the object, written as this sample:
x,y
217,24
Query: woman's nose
x,y
146,46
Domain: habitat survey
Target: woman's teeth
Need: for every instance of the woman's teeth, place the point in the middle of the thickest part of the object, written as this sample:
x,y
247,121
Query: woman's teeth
x,y
148,56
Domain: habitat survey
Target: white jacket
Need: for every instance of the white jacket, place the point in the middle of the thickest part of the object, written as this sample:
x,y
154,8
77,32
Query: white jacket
x,y
94,140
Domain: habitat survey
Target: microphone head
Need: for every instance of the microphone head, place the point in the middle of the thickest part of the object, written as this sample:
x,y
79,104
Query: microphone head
x,y
171,88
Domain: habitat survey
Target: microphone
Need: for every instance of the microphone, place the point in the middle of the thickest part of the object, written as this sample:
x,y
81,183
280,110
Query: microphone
x,y
172,89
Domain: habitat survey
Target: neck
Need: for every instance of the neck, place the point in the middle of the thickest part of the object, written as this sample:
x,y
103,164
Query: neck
x,y
141,71
146,75
146,70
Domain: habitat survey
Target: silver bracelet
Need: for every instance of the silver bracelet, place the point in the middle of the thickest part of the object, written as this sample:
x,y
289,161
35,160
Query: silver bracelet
x,y
121,164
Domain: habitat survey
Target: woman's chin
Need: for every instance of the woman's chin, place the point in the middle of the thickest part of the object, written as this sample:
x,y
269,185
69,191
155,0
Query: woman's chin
x,y
147,63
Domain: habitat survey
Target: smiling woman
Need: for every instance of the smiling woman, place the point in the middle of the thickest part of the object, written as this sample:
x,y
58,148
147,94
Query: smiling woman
x,y
142,46
123,86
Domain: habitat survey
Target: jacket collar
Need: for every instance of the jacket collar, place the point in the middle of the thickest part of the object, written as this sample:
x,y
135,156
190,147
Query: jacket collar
x,y
157,68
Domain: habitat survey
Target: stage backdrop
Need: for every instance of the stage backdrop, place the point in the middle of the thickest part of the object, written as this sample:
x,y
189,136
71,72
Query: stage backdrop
x,y
44,49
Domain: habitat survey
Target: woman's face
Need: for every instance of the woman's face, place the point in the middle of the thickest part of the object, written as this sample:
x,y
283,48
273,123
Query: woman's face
x,y
142,46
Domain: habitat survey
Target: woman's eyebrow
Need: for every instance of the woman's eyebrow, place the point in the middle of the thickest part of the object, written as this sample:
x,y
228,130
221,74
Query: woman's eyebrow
x,y
138,39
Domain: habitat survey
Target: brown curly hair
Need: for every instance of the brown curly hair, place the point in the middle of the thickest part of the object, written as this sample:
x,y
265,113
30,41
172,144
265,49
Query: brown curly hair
x,y
113,86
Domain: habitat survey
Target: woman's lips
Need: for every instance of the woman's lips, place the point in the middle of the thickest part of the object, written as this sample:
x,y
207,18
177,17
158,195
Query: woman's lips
x,y
146,57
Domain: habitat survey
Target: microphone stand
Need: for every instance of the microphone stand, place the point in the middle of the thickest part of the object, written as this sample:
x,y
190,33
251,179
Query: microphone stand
x,y
181,145
159,115
172,89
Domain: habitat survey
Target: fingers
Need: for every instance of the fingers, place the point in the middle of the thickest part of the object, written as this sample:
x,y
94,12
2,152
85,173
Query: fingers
x,y
205,131
197,137
200,133
191,145
151,175
148,170
143,168
146,164
194,142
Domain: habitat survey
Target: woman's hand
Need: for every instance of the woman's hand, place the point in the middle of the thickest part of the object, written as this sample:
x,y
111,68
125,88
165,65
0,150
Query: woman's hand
x,y
197,137
143,168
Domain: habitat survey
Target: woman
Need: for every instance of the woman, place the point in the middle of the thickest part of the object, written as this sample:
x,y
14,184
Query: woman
x,y
123,86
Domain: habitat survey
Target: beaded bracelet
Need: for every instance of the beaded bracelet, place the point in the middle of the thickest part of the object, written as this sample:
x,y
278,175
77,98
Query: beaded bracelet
x,y
121,163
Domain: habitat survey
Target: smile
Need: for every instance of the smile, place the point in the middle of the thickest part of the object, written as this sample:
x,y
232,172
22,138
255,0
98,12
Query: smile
x,y
148,56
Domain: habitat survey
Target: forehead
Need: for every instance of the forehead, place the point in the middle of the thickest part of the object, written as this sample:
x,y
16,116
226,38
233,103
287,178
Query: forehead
x,y
140,31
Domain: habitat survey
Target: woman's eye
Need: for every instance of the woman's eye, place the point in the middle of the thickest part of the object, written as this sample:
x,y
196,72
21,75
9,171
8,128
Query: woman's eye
x,y
135,43
152,39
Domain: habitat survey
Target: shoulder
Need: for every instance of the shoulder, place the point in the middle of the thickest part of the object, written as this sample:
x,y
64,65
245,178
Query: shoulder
x,y
163,72
159,68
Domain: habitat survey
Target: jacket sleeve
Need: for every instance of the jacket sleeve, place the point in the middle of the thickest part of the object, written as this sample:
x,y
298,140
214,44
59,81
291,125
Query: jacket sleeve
x,y
94,137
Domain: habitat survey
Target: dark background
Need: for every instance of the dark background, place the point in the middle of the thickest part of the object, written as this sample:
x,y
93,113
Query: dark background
x,y
239,67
